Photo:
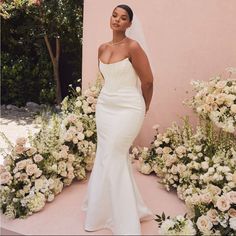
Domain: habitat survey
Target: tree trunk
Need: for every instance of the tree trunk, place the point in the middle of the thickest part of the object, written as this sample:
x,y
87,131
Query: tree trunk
x,y
55,63
58,83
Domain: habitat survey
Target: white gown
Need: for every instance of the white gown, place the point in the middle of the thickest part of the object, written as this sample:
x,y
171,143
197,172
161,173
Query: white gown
x,y
113,200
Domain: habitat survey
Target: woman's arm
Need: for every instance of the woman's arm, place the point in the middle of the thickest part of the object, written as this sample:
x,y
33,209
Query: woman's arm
x,y
142,67
100,51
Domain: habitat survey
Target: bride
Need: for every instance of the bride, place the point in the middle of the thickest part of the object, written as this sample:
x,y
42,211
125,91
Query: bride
x,y
113,200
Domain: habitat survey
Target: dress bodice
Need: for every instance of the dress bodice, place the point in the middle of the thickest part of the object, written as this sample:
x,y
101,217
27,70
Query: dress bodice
x,y
119,75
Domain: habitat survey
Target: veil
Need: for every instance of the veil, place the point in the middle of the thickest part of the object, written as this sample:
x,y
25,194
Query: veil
x,y
135,31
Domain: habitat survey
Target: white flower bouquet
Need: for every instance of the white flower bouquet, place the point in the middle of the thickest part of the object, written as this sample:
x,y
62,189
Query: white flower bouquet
x,y
24,187
179,225
213,210
216,100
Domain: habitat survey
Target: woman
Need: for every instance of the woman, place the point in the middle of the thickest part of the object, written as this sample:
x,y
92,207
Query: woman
x,y
113,200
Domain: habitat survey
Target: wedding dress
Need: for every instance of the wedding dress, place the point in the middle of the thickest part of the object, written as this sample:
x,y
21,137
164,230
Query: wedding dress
x,y
113,200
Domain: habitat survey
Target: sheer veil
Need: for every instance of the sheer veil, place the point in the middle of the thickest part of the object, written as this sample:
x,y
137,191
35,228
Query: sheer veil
x,y
135,31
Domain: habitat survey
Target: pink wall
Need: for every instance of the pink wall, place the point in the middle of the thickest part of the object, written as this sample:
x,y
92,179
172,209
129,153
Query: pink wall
x,y
189,40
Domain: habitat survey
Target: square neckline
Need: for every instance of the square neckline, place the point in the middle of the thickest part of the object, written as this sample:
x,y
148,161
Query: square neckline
x,y
114,62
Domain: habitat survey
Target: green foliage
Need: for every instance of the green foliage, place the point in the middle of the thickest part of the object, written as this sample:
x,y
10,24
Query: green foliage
x,y
161,218
23,80
27,72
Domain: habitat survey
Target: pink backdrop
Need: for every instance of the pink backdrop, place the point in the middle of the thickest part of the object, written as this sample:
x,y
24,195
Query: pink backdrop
x,y
189,40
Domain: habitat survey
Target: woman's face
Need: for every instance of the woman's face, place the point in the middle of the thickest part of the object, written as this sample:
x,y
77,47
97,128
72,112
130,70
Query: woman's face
x,y
119,19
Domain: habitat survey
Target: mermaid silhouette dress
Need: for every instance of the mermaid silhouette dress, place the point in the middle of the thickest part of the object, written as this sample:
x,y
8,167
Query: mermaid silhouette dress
x,y
113,200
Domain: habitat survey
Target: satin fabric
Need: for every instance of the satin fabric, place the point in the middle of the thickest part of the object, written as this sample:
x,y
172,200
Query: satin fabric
x,y
113,200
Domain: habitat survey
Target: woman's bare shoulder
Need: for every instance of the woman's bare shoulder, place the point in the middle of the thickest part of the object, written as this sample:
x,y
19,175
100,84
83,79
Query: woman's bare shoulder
x,y
103,46
133,44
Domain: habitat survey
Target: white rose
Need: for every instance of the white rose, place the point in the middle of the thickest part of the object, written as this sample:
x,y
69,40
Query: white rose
x,y
21,165
211,170
181,168
206,197
65,148
78,103
90,100
70,175
232,223
37,158
2,168
180,150
63,154
50,197
93,106
23,176
159,151
80,136
231,196
17,175
39,184
194,177
204,224
223,203
38,173
195,199
31,151
204,165
61,166
195,165
89,133
31,169
214,189
71,157
198,148
145,168
167,150
220,99
68,136
233,108
169,160
166,140
75,140
230,128
231,185
5,177
174,170
71,118
229,99
232,212
21,141
157,143
166,225
213,215
19,149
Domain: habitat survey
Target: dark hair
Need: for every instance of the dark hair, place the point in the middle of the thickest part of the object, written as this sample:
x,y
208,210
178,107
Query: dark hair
x,y
128,10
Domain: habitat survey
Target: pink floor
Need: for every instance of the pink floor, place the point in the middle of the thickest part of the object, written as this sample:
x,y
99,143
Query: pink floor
x,y
63,216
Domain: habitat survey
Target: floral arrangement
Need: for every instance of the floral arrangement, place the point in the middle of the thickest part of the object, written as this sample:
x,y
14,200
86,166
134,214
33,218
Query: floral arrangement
x,y
216,100
178,225
62,150
200,164
24,187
